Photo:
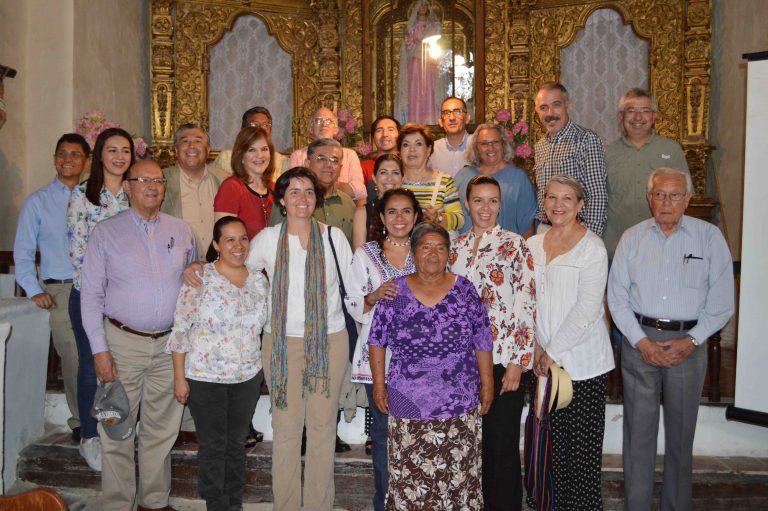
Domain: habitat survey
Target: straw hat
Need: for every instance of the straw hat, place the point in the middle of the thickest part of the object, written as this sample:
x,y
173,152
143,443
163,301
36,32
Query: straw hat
x,y
561,392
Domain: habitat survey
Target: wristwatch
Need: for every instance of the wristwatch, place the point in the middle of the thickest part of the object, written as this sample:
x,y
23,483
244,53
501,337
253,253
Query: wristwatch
x,y
693,340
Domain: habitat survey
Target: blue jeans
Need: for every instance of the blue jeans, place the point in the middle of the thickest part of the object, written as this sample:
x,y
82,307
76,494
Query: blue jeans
x,y
378,432
86,373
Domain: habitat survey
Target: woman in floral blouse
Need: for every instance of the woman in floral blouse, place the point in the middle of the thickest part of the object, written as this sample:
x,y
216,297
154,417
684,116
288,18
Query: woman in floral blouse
x,y
500,266
217,369
439,381
374,267
100,197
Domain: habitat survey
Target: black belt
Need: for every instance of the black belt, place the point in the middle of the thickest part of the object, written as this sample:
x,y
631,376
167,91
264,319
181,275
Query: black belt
x,y
153,335
666,324
57,281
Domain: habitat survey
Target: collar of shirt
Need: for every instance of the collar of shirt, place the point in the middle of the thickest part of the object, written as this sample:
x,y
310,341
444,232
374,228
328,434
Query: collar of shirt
x,y
60,187
461,147
485,234
631,145
682,226
189,180
560,134
146,225
333,198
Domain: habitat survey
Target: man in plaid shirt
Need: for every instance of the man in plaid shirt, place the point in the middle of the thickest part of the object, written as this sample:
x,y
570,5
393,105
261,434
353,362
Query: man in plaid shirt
x,y
568,148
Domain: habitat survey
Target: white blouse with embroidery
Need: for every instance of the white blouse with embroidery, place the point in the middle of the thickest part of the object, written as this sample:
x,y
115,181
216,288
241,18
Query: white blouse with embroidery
x,y
218,326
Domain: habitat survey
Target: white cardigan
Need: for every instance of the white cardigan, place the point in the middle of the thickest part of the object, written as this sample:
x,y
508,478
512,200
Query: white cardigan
x,y
570,294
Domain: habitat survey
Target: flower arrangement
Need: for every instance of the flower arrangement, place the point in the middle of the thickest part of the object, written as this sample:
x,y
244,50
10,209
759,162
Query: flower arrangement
x,y
516,132
349,136
94,122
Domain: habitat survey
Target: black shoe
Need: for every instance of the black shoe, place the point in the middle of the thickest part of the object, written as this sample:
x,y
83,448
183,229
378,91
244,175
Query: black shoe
x,y
341,445
76,434
368,446
304,442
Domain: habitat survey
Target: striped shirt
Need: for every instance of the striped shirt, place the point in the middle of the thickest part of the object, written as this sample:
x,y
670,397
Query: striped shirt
x,y
447,199
578,152
687,275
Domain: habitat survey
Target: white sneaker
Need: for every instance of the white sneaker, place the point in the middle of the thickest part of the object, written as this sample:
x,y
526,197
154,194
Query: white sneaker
x,y
90,450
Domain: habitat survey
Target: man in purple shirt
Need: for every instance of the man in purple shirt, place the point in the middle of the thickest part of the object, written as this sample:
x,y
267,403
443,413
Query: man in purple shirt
x,y
131,280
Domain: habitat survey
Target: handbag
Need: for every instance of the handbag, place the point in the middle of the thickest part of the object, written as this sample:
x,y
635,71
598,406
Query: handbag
x,y
348,320
539,484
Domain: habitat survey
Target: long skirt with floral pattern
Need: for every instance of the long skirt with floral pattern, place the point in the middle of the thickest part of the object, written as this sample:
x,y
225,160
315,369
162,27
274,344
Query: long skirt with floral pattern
x,y
435,464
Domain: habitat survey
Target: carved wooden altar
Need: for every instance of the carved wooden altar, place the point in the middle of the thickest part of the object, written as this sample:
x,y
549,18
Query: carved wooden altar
x,y
518,46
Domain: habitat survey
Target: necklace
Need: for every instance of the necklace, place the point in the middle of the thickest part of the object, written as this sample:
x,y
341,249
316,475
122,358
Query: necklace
x,y
405,243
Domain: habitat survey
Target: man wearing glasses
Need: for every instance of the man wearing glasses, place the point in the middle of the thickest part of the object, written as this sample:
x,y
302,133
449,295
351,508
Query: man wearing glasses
x,y
324,124
630,159
131,280
257,117
568,148
670,288
450,153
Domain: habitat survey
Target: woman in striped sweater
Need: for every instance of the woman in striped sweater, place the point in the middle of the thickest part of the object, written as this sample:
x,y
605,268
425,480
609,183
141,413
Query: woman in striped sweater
x,y
435,191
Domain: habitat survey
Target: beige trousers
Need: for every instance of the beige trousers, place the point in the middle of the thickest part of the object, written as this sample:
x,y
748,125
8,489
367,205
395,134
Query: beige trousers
x,y
146,371
319,413
65,345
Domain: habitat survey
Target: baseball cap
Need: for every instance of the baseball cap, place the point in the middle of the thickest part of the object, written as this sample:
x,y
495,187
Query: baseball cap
x,y
112,409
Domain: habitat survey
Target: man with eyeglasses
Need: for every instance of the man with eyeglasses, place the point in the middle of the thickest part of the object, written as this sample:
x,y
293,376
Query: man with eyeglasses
x,y
324,124
630,159
43,225
192,184
450,152
257,117
325,160
568,148
670,288
131,280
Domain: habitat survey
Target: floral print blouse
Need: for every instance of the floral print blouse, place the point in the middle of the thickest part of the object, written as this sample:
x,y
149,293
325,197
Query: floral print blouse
x,y
503,274
82,217
218,326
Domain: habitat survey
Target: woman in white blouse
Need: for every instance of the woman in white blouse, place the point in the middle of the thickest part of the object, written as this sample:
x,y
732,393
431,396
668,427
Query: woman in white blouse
x,y
500,266
571,268
217,368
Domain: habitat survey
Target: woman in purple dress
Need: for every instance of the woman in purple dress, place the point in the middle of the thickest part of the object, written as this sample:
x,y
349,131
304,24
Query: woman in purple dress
x,y
439,382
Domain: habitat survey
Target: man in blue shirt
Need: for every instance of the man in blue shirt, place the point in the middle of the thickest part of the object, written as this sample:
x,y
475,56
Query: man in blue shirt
x,y
43,225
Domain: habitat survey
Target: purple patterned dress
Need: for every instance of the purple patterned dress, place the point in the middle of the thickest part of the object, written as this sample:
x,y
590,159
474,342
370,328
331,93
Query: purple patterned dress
x,y
433,385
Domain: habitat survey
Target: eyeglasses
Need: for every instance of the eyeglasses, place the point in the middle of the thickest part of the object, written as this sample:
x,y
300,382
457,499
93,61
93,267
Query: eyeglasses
x,y
632,110
323,121
673,196
257,124
326,159
455,112
159,181
488,143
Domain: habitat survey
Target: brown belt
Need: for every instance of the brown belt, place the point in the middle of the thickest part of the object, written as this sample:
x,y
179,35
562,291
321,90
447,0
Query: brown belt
x,y
153,335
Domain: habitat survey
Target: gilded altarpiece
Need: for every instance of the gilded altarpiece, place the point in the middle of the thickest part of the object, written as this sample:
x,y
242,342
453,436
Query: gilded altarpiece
x,y
183,31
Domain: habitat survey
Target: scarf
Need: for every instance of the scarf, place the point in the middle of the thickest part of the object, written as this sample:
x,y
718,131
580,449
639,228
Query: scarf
x,y
315,369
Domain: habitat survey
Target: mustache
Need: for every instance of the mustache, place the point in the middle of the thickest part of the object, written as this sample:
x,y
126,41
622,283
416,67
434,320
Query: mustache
x,y
550,118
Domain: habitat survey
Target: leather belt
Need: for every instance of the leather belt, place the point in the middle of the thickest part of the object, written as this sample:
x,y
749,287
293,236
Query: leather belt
x,y
57,281
666,324
153,335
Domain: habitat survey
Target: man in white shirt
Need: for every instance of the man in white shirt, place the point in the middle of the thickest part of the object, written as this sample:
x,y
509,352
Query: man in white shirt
x,y
450,153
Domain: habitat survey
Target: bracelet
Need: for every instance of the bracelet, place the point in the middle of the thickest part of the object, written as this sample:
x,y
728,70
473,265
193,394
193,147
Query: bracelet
x,y
368,303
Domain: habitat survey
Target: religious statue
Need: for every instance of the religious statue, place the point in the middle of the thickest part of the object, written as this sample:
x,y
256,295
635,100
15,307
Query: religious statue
x,y
418,83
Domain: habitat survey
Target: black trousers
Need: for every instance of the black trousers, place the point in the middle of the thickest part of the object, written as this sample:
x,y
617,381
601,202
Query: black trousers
x,y
502,482
222,413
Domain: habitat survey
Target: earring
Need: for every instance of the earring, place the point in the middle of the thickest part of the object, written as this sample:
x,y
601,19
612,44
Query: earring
x,y
283,211
384,230
218,255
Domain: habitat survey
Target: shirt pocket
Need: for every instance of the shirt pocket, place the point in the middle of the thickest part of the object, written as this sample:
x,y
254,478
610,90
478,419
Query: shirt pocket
x,y
695,273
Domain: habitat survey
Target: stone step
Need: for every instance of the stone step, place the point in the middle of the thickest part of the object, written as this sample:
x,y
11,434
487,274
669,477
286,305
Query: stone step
x,y
719,483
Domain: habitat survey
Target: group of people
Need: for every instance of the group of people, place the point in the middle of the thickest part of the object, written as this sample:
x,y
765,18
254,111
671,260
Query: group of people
x,y
436,270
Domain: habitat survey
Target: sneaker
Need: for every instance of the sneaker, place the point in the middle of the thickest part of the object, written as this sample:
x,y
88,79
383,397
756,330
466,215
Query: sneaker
x,y
90,450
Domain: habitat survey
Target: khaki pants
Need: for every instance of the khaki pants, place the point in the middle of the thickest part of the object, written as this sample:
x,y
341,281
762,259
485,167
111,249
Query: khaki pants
x,y
319,412
146,372
66,347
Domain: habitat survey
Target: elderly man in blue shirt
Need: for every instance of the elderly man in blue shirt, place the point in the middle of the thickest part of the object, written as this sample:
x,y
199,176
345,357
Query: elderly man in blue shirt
x,y
131,280
43,225
670,288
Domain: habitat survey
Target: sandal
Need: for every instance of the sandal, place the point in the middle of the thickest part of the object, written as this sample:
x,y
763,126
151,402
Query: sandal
x,y
253,438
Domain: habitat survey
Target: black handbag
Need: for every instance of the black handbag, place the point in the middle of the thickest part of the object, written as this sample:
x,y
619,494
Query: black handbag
x,y
348,320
